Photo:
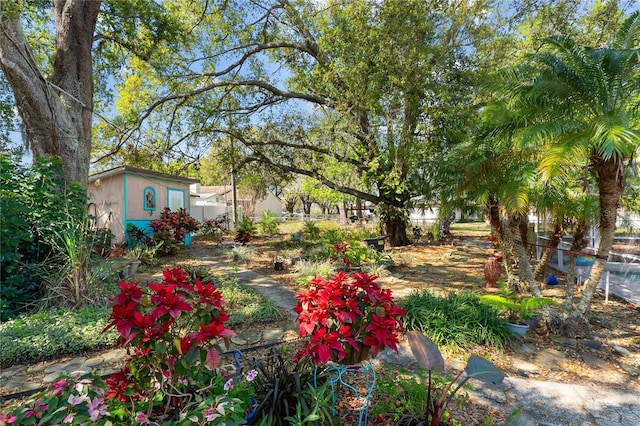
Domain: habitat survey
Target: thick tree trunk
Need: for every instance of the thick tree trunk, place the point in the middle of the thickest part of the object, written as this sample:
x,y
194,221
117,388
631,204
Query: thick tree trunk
x,y
611,183
56,113
342,210
393,223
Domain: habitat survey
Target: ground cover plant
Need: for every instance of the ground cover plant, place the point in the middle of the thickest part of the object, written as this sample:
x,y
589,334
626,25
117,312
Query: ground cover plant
x,y
52,334
455,321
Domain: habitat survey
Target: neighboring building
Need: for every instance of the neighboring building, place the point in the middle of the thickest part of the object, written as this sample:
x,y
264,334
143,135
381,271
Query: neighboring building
x,y
125,195
210,202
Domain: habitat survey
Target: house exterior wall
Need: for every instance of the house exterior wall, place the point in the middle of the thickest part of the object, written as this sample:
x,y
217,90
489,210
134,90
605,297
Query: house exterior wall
x,y
134,198
271,203
167,193
106,204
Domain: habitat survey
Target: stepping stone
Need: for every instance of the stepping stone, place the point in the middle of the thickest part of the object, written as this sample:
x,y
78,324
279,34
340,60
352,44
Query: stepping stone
x,y
621,351
248,337
92,362
38,368
114,355
51,377
525,366
19,384
274,335
11,371
549,358
593,344
594,361
525,349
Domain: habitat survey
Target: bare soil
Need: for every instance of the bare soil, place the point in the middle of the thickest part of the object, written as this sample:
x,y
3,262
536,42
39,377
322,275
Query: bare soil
x,y
457,265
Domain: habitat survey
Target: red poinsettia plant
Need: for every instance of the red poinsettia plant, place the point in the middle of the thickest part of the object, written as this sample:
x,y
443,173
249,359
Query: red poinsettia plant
x,y
347,318
170,330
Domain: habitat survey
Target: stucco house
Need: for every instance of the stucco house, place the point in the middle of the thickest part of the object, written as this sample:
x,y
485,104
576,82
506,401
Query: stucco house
x,y
125,195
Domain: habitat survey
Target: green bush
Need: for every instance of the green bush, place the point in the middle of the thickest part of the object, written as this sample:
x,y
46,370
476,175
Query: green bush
x,y
37,208
311,231
51,334
268,223
455,321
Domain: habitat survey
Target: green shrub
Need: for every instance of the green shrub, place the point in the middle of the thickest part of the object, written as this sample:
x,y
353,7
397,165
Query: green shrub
x,y
243,254
37,207
51,334
333,235
268,223
455,321
308,269
246,230
311,231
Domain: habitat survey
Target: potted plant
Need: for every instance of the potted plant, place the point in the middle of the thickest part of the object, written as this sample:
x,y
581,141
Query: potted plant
x,y
430,358
516,309
347,318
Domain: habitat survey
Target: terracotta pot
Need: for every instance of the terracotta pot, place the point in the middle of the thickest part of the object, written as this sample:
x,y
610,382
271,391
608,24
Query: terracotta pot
x,y
492,272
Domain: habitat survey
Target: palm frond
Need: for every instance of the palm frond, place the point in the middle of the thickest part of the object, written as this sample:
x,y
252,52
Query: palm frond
x,y
629,35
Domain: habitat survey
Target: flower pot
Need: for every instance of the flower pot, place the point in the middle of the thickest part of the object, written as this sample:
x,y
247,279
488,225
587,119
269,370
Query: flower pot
x,y
518,329
352,356
492,272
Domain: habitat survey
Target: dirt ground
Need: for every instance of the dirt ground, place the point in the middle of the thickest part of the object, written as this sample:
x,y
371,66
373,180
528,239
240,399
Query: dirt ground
x,y
459,266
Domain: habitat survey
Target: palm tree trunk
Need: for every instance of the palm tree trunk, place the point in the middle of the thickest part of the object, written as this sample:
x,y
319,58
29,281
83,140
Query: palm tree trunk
x,y
494,218
579,242
553,243
610,187
524,266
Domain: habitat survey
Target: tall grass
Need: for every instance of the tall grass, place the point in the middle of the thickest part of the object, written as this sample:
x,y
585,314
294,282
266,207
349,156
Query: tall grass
x,y
455,321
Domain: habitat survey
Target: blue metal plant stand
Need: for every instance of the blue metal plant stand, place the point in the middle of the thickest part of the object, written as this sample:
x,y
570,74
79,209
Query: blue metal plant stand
x,y
336,374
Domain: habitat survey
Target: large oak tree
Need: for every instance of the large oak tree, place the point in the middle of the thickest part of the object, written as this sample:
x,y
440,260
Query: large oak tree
x,y
56,107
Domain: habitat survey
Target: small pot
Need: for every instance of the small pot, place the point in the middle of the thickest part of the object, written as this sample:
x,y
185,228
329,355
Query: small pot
x,y
518,329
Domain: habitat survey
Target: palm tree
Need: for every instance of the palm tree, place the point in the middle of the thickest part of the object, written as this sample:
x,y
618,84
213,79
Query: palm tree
x,y
582,104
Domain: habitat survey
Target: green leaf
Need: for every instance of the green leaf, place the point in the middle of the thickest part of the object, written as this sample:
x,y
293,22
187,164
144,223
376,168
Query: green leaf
x,y
479,368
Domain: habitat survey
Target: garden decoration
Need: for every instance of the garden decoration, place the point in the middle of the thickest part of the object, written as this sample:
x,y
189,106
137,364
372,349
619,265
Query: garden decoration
x,y
429,357
492,271
347,319
336,374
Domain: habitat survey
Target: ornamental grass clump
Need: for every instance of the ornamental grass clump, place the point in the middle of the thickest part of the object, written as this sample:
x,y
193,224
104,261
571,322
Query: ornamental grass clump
x,y
347,318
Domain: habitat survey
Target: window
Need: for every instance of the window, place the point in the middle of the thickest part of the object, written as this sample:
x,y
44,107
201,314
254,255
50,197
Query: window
x,y
149,201
176,199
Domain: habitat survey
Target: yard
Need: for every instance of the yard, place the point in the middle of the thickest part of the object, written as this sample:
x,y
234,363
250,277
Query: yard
x,y
454,265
